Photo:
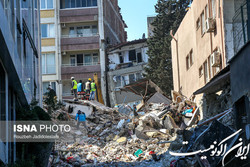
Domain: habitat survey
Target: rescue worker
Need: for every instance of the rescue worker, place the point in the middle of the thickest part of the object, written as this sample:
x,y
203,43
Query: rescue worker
x,y
81,119
74,88
87,86
80,88
93,90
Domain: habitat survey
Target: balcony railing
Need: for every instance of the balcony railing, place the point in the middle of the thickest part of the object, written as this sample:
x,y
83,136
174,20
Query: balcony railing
x,y
240,27
79,35
80,64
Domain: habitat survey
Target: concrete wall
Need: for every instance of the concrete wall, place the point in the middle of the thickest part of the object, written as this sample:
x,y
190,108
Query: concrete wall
x,y
189,37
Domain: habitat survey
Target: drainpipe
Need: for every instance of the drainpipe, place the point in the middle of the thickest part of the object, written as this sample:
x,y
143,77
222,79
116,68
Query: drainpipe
x,y
177,55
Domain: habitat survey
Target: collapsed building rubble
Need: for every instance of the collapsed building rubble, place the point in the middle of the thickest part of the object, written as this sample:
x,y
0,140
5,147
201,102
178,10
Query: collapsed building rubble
x,y
118,137
122,137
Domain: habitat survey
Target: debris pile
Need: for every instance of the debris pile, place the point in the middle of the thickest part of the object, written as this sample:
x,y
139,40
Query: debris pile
x,y
133,138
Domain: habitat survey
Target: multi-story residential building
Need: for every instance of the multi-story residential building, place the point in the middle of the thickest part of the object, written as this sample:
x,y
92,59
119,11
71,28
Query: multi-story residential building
x,y
19,65
50,44
76,45
203,44
126,65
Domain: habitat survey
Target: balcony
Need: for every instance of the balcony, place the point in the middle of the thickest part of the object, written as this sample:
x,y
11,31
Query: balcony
x,y
81,71
241,27
73,15
71,43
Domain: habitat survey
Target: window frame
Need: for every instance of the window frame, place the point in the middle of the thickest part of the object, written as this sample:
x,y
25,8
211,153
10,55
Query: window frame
x,y
45,72
203,23
46,5
63,5
48,32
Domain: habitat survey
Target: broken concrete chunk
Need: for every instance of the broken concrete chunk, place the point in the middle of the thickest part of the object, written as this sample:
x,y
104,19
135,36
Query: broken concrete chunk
x,y
121,140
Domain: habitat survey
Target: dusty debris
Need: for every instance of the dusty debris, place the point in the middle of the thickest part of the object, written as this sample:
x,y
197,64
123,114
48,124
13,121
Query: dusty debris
x,y
118,136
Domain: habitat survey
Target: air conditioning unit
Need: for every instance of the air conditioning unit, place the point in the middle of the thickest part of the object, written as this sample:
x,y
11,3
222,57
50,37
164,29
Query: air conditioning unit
x,y
210,24
215,59
63,25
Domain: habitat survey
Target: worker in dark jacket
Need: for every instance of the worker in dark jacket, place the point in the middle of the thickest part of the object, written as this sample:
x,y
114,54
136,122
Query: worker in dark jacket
x,y
81,119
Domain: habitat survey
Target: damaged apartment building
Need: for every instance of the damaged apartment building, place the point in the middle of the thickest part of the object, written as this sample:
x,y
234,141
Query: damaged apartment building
x,y
201,49
126,66
19,66
75,34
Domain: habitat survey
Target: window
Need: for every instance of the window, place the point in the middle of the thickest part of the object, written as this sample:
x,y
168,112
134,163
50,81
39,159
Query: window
x,y
79,59
95,59
121,58
203,23
48,63
84,59
77,3
206,77
132,55
131,78
87,59
81,31
94,30
46,4
189,59
48,30
198,24
87,30
71,32
200,71
118,81
214,8
206,12
72,60
139,57
187,62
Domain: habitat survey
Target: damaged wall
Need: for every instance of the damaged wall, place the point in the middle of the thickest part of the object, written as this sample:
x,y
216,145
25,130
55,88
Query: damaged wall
x,y
215,103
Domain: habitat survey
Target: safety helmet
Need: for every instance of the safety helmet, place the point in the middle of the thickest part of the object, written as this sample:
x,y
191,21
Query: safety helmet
x,y
72,77
89,79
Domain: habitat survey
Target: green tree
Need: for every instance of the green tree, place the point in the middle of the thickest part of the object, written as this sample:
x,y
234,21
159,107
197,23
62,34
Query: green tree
x,y
169,16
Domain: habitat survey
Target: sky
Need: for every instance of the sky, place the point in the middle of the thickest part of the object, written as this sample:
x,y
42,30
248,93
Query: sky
x,y
135,13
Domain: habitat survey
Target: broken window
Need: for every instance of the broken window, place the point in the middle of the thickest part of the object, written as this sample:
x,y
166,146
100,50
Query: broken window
x,y
131,78
118,81
132,55
138,76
